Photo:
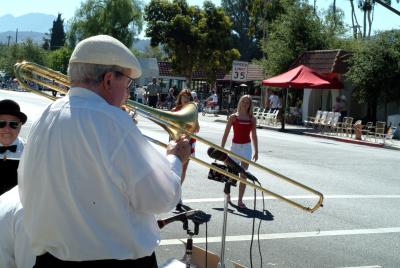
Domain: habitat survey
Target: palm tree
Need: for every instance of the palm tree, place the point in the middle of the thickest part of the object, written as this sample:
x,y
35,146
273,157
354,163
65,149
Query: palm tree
x,y
367,7
354,22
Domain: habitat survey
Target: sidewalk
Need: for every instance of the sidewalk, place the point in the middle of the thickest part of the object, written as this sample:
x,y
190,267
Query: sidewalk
x,y
302,130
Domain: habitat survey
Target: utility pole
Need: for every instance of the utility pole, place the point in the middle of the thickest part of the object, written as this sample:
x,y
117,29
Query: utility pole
x,y
16,36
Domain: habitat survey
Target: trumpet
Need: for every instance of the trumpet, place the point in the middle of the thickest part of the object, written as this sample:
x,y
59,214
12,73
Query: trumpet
x,y
179,123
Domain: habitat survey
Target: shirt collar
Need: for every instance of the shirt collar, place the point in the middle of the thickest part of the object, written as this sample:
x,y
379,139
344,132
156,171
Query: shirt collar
x,y
85,93
14,155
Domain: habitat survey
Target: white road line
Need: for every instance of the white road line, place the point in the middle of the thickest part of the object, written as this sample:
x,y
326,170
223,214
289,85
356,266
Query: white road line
x,y
236,238
373,266
202,200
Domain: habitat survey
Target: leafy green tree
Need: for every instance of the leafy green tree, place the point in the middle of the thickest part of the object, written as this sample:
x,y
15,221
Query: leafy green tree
x,y
262,13
57,35
190,35
151,52
375,71
175,26
3,55
292,33
217,53
58,59
334,29
334,22
244,39
46,41
27,51
121,19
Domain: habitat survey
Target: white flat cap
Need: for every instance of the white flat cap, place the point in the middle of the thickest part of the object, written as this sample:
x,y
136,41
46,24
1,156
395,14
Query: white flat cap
x,y
106,50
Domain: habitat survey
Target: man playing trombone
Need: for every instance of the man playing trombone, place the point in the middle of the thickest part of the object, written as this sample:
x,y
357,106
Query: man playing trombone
x,y
90,183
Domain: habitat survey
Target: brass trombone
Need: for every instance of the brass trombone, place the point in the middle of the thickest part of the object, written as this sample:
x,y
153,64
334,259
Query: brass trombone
x,y
176,124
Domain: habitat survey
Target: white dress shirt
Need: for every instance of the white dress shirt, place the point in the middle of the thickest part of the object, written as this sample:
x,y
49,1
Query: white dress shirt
x,y
15,248
90,183
14,155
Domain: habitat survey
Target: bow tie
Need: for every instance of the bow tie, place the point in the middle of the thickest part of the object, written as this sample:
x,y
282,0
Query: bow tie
x,y
12,148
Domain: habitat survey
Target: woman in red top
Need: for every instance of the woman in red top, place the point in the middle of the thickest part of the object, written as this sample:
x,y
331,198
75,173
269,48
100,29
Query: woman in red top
x,y
244,131
184,97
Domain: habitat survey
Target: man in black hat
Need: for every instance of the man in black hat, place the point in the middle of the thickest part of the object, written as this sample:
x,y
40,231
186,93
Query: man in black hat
x,y
11,146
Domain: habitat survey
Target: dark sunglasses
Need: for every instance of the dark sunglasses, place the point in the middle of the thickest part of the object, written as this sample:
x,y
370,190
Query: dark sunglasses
x,y
131,80
11,124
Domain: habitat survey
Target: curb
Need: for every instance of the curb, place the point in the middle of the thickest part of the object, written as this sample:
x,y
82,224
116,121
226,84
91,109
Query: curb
x,y
377,145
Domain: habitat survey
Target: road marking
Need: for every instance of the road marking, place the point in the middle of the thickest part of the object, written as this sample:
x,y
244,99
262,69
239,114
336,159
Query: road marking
x,y
373,266
202,200
236,238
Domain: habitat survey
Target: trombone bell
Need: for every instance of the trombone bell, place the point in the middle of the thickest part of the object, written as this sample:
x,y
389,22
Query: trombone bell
x,y
186,118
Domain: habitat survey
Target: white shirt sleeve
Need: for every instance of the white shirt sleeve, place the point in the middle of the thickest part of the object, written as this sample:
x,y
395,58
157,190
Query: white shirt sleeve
x,y
15,248
147,195
152,179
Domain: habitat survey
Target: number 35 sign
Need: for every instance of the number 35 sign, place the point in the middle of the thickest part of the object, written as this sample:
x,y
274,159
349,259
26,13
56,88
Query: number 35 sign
x,y
239,70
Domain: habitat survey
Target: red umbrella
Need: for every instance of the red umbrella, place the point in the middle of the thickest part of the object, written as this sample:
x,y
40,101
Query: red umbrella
x,y
303,77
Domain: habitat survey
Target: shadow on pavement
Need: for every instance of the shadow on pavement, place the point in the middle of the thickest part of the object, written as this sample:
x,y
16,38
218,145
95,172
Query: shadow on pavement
x,y
249,213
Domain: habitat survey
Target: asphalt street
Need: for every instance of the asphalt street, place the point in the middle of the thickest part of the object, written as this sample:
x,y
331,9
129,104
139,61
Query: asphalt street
x,y
358,226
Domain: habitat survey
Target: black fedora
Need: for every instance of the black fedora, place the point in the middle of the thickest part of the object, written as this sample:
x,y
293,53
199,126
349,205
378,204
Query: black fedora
x,y
10,107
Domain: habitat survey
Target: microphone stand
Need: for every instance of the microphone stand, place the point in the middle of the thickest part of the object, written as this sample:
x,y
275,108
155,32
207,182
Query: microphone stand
x,y
227,191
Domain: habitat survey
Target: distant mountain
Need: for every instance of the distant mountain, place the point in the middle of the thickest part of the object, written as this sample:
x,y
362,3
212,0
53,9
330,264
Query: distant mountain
x,y
34,26
35,22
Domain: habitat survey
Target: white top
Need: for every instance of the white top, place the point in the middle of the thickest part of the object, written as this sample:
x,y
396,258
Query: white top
x,y
139,91
90,183
214,98
15,248
14,155
274,101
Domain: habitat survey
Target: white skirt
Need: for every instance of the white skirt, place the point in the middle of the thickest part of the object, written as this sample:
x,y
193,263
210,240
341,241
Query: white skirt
x,y
244,150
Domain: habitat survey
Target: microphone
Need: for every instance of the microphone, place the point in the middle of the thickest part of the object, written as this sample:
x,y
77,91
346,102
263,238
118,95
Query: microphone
x,y
221,156
178,217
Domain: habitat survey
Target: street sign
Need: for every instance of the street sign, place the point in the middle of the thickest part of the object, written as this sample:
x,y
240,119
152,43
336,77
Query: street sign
x,y
239,70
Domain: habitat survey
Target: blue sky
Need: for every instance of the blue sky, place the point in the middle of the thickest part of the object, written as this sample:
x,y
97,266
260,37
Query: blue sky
x,y
383,18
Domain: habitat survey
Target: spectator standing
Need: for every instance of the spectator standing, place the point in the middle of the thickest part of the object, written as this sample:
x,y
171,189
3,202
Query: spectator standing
x,y
244,133
139,93
153,93
274,102
337,107
11,146
195,99
343,111
184,97
212,101
170,99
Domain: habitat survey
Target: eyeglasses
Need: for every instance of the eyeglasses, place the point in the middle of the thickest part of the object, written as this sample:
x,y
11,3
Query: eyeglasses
x,y
11,124
131,80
